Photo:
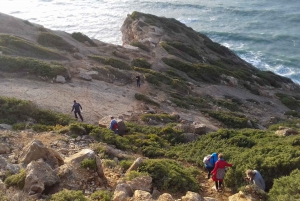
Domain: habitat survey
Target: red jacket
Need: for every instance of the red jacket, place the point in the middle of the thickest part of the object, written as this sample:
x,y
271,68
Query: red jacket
x,y
219,167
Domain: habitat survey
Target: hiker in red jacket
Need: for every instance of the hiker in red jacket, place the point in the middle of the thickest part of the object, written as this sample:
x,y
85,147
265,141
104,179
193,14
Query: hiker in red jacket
x,y
219,171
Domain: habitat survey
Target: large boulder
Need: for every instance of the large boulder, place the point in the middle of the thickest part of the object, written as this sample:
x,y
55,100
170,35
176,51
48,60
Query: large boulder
x,y
240,196
191,196
142,195
135,164
121,127
122,192
165,197
36,150
141,183
60,79
4,148
286,131
39,177
200,129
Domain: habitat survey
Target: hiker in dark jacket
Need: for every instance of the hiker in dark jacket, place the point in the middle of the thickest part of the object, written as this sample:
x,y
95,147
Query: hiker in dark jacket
x,y
113,125
210,166
77,107
138,81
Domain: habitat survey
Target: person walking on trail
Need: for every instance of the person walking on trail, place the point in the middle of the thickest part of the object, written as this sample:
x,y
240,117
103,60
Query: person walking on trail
x,y
219,171
77,110
254,177
113,125
213,158
138,80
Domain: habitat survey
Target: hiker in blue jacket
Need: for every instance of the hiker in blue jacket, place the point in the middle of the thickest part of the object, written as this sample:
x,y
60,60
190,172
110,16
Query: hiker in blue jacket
x,y
77,110
113,125
210,166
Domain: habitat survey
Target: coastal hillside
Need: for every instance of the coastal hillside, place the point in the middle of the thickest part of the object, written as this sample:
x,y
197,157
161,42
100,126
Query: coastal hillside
x,y
196,97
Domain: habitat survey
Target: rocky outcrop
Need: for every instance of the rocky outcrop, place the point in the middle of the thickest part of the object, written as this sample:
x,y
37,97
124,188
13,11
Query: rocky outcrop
x,y
191,196
36,150
39,177
135,164
5,166
122,192
141,183
286,131
4,148
200,128
241,197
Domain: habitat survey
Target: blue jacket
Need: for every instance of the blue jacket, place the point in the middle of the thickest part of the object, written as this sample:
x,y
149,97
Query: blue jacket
x,y
212,161
112,123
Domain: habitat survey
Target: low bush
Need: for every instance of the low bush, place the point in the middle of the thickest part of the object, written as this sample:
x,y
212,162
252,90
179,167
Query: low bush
x,y
289,101
101,195
141,63
293,113
109,163
286,187
228,104
33,66
230,119
164,118
51,40
111,61
255,192
170,175
145,99
68,195
82,38
184,48
17,180
134,174
77,128
125,164
15,45
89,163
140,45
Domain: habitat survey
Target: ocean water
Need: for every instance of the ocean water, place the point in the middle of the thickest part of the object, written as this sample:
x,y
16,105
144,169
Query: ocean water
x,y
263,32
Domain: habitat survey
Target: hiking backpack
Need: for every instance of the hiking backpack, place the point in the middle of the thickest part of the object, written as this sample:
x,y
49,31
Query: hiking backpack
x,y
206,160
115,126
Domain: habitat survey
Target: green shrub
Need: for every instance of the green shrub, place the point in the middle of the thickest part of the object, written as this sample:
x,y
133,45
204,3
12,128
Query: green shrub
x,y
228,104
109,163
286,187
184,48
111,61
42,128
82,38
77,129
101,195
135,174
145,99
19,126
164,118
289,101
140,45
68,195
89,163
172,135
169,175
33,66
230,119
15,45
255,192
141,63
17,180
51,40
272,78
125,164
292,113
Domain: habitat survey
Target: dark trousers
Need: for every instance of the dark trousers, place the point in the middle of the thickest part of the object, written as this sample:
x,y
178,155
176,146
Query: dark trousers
x,y
209,169
79,113
138,83
218,184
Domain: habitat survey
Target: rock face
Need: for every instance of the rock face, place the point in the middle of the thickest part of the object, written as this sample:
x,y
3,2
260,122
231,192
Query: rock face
x,y
122,192
36,150
241,197
135,164
200,129
4,148
6,166
39,177
141,183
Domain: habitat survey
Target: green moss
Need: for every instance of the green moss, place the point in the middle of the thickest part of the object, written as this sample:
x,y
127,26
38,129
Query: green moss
x,y
145,99
170,175
101,195
82,38
141,63
17,180
89,163
51,40
33,66
111,61
68,195
15,45
140,45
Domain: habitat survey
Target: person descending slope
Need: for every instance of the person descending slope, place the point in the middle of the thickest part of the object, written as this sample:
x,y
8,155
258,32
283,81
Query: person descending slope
x,y
219,171
77,110
209,162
